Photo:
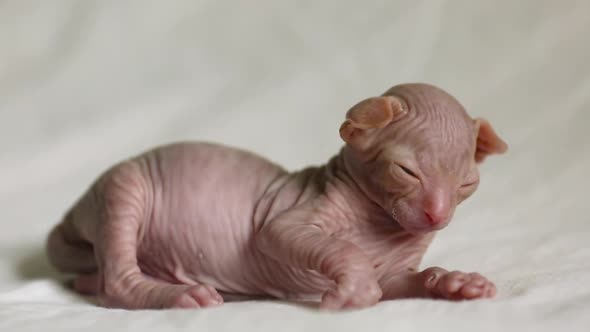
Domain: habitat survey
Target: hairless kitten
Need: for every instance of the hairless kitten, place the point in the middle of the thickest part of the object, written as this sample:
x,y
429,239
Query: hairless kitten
x,y
181,224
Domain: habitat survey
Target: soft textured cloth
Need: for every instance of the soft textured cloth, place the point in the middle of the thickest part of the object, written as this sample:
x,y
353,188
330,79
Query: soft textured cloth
x,y
84,84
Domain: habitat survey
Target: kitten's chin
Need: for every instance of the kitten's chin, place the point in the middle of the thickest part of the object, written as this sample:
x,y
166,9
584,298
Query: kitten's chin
x,y
417,230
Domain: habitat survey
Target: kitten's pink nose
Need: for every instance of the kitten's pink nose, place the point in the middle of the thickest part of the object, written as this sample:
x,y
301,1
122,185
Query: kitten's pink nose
x,y
435,218
437,208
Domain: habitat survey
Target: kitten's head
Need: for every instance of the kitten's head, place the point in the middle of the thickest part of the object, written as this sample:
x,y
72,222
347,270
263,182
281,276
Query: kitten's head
x,y
414,151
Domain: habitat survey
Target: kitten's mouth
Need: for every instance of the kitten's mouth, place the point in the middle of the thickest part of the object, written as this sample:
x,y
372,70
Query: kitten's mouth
x,y
410,228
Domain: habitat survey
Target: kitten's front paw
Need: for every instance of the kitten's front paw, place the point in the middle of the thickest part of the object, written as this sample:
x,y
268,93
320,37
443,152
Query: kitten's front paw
x,y
456,285
352,293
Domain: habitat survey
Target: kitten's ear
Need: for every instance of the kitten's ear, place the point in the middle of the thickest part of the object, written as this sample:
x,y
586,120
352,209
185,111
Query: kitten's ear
x,y
364,118
488,142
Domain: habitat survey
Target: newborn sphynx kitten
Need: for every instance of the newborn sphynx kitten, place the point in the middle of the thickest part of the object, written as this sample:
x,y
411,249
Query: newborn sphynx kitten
x,y
181,224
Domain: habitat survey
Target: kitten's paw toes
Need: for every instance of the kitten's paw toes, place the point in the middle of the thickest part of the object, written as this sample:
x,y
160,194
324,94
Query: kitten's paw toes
x,y
199,296
486,287
458,285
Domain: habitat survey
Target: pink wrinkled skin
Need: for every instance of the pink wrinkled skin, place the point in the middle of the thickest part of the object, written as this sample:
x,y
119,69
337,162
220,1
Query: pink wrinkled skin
x,y
179,225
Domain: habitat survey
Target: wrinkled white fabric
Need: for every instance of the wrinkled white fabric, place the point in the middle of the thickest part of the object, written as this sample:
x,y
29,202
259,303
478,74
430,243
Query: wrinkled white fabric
x,y
84,84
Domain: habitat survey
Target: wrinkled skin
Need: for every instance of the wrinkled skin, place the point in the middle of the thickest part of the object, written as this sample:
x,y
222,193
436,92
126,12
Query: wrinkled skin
x,y
186,225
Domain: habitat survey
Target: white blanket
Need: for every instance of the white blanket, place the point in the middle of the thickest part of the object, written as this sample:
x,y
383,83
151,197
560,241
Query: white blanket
x,y
84,84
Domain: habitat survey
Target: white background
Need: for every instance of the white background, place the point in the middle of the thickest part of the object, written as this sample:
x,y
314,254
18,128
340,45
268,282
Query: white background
x,y
84,84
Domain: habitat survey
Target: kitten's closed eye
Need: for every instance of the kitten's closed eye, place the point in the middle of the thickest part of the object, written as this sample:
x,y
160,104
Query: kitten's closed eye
x,y
408,171
470,184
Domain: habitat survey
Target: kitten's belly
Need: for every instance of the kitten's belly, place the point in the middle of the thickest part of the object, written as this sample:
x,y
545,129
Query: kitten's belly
x,y
225,259
195,252
203,216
